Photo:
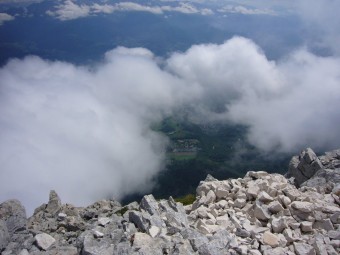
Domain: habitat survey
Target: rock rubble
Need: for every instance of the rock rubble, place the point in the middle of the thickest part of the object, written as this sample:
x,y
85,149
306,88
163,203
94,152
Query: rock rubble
x,y
261,213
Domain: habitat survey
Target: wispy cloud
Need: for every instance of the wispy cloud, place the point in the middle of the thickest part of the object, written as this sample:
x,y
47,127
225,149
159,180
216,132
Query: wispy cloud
x,y
4,17
69,9
246,10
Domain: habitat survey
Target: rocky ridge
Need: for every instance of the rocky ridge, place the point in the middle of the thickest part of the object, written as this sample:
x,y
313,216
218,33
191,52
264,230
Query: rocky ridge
x,y
261,213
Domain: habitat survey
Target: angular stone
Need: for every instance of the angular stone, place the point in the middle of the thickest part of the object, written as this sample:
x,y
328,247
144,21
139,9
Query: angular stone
x,y
264,197
270,239
54,203
334,234
138,219
149,204
306,226
252,191
95,246
13,214
292,193
261,211
240,203
319,245
305,207
275,207
257,174
303,249
103,221
4,235
154,231
210,198
279,224
98,234
221,193
325,224
44,241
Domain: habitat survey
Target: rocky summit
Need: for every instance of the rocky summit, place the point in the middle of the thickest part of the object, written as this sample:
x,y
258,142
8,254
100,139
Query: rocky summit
x,y
261,213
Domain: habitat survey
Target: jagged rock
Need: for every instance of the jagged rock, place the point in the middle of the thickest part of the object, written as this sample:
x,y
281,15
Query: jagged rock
x,y
279,224
94,246
307,226
304,249
54,203
149,204
44,241
275,207
261,213
305,207
4,235
304,166
14,215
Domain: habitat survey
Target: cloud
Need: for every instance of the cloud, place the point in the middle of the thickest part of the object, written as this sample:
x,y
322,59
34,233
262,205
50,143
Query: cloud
x,y
82,132
322,23
246,10
69,10
287,105
5,17
85,131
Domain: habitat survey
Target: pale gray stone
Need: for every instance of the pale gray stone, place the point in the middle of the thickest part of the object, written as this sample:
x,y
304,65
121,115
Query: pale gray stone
x,y
306,226
4,235
304,249
334,234
261,212
13,214
44,241
154,231
264,197
54,203
325,224
103,221
279,224
149,204
270,239
275,207
305,207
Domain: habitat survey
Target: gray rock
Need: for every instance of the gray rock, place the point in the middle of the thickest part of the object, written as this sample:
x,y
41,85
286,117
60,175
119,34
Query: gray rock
x,y
138,219
14,215
149,204
325,224
54,203
279,224
261,211
44,241
304,166
94,246
270,239
304,249
4,235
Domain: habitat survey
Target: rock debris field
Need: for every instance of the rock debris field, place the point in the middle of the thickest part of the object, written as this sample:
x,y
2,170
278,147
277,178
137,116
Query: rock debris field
x,y
261,213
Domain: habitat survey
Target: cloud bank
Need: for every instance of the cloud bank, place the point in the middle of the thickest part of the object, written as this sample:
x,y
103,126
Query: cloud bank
x,y
85,131
246,10
69,9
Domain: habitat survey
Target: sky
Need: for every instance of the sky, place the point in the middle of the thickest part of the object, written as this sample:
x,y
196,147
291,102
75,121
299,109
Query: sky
x,y
85,130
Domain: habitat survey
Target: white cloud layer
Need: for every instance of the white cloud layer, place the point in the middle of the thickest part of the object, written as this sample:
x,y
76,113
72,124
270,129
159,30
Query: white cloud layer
x,y
69,9
246,10
5,17
86,132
